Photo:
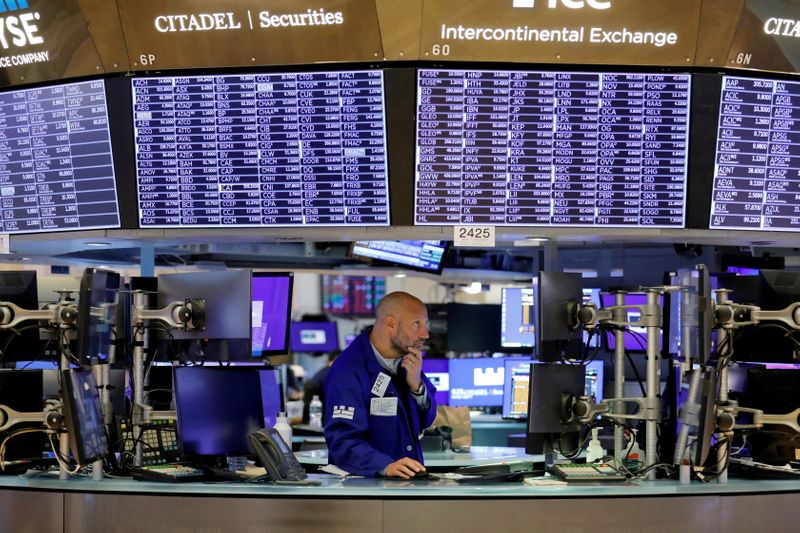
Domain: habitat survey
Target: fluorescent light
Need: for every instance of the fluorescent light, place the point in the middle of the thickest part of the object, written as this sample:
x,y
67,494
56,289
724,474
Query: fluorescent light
x,y
98,244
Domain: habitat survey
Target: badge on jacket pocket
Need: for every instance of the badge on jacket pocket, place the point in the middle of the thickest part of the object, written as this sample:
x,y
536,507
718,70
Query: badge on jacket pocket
x,y
383,406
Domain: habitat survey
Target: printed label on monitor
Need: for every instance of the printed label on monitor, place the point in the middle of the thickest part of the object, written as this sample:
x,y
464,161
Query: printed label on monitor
x,y
313,336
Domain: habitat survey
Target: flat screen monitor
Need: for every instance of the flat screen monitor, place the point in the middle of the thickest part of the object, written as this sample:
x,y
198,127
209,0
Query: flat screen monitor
x,y
261,150
426,256
635,337
272,307
217,409
317,337
517,318
438,371
23,391
476,382
516,385
228,310
775,391
556,297
19,288
82,416
271,401
533,148
97,312
56,164
352,296
757,163
473,328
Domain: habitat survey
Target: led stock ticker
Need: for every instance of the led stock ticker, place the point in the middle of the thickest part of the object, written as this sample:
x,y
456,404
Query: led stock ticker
x,y
551,148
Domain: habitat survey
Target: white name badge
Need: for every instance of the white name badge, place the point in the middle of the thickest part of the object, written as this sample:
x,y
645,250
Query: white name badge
x,y
381,382
383,406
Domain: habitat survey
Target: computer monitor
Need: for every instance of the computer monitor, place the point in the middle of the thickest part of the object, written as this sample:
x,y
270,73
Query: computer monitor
x,y
271,400
556,297
517,317
19,288
352,296
547,428
516,385
426,256
315,337
516,382
635,337
23,391
217,407
97,312
476,382
83,417
271,311
473,328
228,312
438,371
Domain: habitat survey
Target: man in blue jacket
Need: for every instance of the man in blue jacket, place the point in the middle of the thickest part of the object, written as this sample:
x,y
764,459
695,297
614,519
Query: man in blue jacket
x,y
377,399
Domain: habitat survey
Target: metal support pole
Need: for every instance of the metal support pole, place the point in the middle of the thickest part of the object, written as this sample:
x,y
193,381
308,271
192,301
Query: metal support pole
x,y
652,323
619,315
139,302
724,349
102,377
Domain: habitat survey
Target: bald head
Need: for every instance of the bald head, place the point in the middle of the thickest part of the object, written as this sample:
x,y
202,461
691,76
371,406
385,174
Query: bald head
x,y
401,322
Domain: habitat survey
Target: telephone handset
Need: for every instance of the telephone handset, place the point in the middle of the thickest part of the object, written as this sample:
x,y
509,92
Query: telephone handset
x,y
277,458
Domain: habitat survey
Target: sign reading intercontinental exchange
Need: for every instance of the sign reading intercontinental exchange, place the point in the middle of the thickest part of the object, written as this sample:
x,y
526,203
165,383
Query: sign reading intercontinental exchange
x,y
219,33
44,40
644,32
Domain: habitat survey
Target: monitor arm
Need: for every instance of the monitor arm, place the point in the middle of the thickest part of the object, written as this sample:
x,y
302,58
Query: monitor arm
x,y
730,315
51,416
727,414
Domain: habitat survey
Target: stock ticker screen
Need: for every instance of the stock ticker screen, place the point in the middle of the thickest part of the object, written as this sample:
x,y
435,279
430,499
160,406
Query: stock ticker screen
x,y
551,148
278,149
756,185
56,167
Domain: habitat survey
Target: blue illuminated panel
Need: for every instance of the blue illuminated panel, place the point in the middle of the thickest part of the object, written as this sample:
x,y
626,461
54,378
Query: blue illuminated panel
x,y
291,149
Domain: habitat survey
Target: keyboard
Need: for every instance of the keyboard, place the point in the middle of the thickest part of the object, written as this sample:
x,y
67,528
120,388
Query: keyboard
x,y
748,468
168,473
585,473
159,441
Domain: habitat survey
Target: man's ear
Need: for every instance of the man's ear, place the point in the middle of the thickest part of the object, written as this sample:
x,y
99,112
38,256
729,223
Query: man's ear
x,y
390,321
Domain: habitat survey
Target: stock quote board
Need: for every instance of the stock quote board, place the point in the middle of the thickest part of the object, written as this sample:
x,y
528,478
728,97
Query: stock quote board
x,y
255,150
56,165
525,148
756,182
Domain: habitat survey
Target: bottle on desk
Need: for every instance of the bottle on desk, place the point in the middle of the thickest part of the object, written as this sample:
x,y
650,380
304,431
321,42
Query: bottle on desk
x,y
315,413
284,429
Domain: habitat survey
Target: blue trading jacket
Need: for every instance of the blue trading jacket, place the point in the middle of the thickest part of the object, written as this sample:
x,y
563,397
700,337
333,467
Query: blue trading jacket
x,y
362,443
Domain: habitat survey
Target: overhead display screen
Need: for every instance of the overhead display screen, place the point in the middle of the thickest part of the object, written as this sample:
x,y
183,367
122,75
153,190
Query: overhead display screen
x,y
56,169
421,255
756,182
278,149
551,148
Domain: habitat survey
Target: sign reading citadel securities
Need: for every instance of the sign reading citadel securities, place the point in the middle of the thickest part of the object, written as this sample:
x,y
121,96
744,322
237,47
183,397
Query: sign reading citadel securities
x,y
220,33
643,32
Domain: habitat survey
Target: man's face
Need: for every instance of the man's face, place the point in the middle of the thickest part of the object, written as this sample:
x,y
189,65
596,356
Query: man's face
x,y
411,328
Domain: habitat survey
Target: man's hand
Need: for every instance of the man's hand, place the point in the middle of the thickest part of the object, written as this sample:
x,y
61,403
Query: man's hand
x,y
405,468
412,362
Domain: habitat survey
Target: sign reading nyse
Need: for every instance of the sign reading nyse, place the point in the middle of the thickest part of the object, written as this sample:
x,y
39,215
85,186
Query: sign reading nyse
x,y
217,33
643,32
44,40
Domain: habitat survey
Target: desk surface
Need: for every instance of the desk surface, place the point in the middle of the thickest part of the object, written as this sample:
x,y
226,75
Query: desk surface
x,y
477,455
371,488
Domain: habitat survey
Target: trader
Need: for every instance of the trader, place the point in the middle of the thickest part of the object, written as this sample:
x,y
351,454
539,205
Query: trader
x,y
377,398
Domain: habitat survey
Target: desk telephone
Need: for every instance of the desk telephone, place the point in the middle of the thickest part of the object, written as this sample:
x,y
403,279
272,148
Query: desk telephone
x,y
277,458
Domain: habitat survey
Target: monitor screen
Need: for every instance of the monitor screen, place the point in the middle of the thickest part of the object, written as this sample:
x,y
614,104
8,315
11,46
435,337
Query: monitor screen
x,y
438,371
418,255
271,310
352,296
635,338
473,328
217,409
56,166
20,288
757,157
313,337
228,310
270,395
82,416
476,382
261,150
526,148
516,385
517,318
96,313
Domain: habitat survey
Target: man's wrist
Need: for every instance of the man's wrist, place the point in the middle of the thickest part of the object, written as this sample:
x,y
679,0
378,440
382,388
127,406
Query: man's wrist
x,y
419,390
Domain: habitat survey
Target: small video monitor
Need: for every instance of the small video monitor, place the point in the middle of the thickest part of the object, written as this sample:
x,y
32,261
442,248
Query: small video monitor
x,y
271,309
516,379
425,256
314,337
270,395
97,312
83,417
517,318
476,382
218,408
438,371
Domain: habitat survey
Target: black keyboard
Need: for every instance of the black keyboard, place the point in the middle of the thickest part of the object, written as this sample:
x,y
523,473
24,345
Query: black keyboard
x,y
585,473
168,473
159,441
